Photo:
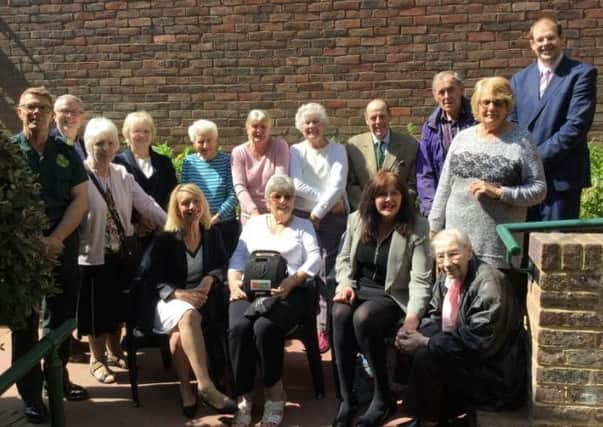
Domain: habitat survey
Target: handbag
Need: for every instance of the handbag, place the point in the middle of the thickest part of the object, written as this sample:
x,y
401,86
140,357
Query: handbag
x,y
264,270
130,249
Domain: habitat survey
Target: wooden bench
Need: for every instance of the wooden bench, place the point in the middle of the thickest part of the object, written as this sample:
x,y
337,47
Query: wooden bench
x,y
45,348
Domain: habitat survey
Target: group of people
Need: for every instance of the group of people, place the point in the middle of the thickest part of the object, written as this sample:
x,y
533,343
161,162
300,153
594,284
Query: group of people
x,y
324,206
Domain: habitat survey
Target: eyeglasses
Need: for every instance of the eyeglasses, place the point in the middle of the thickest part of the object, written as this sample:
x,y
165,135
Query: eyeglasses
x,y
31,108
277,197
70,112
497,103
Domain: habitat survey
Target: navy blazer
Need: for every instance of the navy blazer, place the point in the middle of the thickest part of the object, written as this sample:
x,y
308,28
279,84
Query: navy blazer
x,y
560,120
164,269
160,184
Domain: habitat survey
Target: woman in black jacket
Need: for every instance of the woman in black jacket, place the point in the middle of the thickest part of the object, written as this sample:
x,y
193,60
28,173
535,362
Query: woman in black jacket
x,y
153,172
188,263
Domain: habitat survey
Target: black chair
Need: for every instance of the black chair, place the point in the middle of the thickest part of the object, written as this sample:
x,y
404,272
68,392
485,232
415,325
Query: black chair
x,y
138,337
307,333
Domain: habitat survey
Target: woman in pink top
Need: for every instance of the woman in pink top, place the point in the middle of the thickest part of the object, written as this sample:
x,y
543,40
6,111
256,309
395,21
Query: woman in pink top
x,y
255,161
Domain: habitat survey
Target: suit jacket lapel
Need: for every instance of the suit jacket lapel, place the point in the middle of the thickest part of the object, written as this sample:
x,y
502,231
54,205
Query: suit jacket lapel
x,y
397,249
140,177
368,151
394,158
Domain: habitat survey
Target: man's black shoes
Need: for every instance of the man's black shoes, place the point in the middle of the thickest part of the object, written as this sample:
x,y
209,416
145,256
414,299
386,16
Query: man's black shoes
x,y
36,412
75,393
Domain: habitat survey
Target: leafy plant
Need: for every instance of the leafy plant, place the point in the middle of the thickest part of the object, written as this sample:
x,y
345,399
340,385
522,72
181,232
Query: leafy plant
x,y
411,129
166,150
25,271
591,204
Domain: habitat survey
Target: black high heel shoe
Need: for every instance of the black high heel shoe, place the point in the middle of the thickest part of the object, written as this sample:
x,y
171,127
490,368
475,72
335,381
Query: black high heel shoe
x,y
344,417
191,410
377,419
213,398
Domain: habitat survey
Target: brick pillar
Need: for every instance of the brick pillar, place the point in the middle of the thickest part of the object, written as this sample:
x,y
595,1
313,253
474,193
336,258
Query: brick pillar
x,y
565,310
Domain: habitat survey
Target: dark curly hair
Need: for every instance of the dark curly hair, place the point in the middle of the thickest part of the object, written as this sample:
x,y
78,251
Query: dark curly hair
x,y
405,219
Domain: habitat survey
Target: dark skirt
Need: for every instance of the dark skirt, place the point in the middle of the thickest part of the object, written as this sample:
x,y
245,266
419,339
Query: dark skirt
x,y
101,302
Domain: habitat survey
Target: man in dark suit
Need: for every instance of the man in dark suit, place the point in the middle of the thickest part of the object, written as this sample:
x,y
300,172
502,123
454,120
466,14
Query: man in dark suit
x,y
380,148
555,100
68,119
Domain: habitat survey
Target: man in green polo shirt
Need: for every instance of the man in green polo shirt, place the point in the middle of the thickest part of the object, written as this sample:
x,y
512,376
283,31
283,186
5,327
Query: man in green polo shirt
x,y
64,189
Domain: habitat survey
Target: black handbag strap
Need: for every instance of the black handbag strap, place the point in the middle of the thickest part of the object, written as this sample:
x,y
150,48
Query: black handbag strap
x,y
114,214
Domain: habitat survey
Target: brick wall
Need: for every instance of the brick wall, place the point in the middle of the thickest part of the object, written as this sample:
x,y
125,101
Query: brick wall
x,y
565,308
188,59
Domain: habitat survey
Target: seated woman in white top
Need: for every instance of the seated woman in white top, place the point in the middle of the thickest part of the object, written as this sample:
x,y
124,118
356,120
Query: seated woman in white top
x,y
263,337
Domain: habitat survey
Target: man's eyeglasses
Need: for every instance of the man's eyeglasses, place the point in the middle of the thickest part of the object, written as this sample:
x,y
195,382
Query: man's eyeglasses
x,y
31,108
73,113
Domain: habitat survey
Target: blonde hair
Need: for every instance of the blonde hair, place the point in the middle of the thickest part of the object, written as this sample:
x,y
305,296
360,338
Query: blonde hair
x,y
137,117
39,91
497,86
174,221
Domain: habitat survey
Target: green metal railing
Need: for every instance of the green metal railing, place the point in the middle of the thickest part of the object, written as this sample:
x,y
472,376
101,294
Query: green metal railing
x,y
53,368
513,248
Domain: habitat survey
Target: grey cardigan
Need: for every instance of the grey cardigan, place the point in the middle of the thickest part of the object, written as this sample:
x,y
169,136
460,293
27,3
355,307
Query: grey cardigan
x,y
409,265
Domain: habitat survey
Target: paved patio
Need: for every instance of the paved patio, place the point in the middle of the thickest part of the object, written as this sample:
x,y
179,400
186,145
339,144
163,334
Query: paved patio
x,y
110,405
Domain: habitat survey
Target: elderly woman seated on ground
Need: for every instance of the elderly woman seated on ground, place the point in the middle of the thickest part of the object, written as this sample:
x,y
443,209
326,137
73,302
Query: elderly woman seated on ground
x,y
469,352
262,337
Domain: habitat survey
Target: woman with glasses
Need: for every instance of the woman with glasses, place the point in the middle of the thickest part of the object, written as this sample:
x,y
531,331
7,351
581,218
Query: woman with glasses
x,y
491,175
383,275
263,337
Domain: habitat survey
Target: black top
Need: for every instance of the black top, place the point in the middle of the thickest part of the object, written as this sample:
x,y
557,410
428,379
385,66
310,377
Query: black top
x,y
160,184
59,169
371,262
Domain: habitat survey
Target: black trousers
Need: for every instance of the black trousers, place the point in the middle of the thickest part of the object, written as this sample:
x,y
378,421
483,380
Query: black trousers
x,y
438,387
230,231
363,326
261,338
56,309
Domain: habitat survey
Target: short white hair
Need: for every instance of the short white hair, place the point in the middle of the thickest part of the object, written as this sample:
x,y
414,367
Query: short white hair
x,y
97,129
279,184
311,109
451,235
202,126
68,98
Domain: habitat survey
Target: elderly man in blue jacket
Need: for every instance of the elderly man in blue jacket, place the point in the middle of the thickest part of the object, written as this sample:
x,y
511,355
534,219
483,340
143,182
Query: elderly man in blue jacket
x,y
451,116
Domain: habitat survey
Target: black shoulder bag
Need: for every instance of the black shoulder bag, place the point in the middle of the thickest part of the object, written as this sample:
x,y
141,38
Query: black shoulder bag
x,y
130,250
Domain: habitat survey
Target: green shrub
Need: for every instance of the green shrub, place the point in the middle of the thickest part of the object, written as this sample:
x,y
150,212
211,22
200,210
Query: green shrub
x,y
591,205
166,150
25,271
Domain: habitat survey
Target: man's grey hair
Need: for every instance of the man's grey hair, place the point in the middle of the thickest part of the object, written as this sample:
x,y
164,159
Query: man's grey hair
x,y
69,97
448,73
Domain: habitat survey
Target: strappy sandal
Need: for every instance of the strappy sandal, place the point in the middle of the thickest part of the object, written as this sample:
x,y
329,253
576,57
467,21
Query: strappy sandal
x,y
243,414
274,411
116,361
101,373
